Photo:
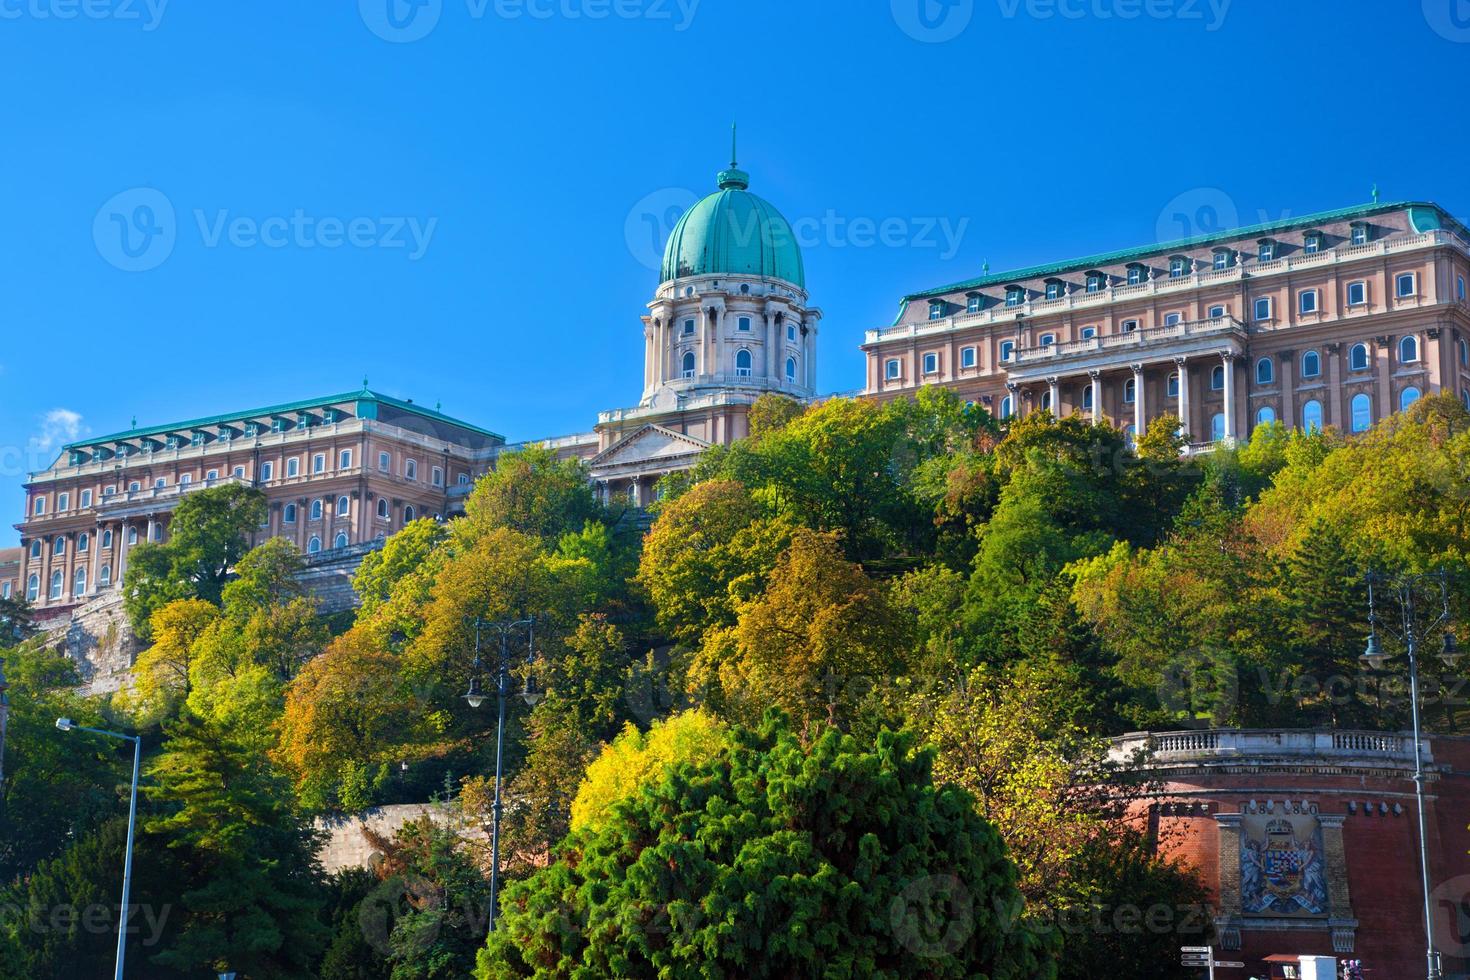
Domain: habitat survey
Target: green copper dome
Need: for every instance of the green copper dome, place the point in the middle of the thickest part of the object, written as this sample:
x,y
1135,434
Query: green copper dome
x,y
733,232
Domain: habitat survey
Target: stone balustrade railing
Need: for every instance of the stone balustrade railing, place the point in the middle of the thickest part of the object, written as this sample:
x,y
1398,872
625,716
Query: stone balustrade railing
x,y
1227,744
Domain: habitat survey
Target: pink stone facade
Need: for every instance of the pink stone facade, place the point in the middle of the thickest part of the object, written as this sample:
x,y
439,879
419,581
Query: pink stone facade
x,y
1332,320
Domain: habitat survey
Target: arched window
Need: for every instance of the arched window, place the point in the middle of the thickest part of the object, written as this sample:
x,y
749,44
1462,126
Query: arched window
x,y
57,584
1312,416
1217,427
1311,364
409,513
411,469
790,369
1047,339
1266,415
1358,357
104,577
1265,371
1217,377
1007,349
1130,435
1046,400
1362,412
742,364
33,588
343,506
106,539
58,547
1174,385
1087,398
1408,397
79,582
316,510
36,549
288,514
314,546
341,541
84,542
382,508
1130,391
1409,350
1464,352
686,369
1006,407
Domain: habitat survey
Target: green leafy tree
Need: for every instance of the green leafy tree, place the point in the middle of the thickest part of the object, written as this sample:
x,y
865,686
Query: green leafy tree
x,y
252,886
841,860
533,492
209,532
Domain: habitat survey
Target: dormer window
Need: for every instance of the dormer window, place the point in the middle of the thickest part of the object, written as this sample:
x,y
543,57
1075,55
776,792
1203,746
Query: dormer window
x,y
1360,233
936,309
1096,282
1266,250
279,424
1015,295
1222,259
1136,274
1054,289
972,302
197,439
1312,242
1178,267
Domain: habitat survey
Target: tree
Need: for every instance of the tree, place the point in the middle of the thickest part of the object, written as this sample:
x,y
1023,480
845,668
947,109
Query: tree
x,y
161,672
842,859
17,623
209,532
772,413
818,638
400,557
533,492
252,884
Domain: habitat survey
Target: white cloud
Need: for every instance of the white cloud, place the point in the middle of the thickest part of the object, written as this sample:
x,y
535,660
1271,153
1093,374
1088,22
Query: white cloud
x,y
58,427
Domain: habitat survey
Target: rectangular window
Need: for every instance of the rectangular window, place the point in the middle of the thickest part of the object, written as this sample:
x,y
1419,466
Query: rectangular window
x,y
1307,301
344,460
86,499
931,363
267,471
1360,234
1403,284
1007,350
438,477
791,332
1216,311
967,357
936,310
293,466
1053,290
1095,283
1263,308
688,327
1130,325
1015,296
319,463
893,369
1222,259
63,501
1178,267
385,462
1135,275
1357,293
1089,332
1267,251
744,324
1171,319
972,304
1312,245
1460,287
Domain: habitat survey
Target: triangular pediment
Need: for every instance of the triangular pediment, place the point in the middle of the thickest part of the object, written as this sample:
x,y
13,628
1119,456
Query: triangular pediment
x,y
650,444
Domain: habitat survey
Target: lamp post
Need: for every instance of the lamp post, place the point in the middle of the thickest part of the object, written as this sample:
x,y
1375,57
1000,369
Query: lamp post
x,y
476,697
66,725
1410,632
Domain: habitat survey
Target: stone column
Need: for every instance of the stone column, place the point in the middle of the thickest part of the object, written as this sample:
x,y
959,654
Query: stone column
x,y
1332,397
1095,385
1054,395
771,346
1286,371
809,369
1228,359
706,341
1140,413
1181,365
122,550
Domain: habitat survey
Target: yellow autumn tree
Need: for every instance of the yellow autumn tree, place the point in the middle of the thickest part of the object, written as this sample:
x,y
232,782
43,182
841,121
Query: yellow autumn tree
x,y
161,673
635,758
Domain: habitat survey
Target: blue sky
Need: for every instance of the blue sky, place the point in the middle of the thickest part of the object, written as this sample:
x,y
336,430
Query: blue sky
x,y
460,199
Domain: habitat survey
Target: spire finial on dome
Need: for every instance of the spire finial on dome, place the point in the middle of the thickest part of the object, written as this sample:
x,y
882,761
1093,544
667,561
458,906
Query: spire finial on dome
x,y
734,179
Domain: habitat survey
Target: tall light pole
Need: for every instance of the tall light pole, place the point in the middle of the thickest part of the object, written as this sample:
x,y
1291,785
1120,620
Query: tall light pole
x,y
476,697
1410,632
66,725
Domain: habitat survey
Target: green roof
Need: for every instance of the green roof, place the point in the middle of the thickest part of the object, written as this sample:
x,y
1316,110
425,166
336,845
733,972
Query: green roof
x,y
733,232
365,395
1435,218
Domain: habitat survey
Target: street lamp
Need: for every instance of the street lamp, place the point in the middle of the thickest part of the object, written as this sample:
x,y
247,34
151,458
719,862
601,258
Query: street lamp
x,y
475,697
1410,632
66,725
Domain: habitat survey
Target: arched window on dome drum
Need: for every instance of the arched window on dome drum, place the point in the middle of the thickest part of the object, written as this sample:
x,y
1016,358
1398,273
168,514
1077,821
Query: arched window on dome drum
x,y
686,369
743,364
790,369
1408,397
1311,364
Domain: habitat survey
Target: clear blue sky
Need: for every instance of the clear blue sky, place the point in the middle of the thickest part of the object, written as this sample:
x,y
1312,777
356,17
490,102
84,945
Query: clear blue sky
x,y
538,144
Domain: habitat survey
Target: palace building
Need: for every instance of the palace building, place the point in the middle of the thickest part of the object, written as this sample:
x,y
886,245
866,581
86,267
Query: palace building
x,y
1339,318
